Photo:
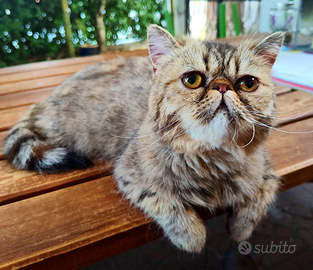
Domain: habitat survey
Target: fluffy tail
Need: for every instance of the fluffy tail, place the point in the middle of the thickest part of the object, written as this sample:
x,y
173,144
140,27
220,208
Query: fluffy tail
x,y
26,147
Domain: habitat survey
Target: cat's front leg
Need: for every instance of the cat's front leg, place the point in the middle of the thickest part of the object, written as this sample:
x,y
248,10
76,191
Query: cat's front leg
x,y
180,223
243,218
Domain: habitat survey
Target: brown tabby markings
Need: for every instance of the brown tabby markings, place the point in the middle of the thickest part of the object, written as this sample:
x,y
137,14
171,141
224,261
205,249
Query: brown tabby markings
x,y
173,147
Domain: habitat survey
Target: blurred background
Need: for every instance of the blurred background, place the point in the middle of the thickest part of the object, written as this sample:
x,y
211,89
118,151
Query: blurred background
x,y
38,30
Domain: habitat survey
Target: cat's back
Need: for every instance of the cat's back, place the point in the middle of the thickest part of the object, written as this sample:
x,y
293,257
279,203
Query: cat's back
x,y
103,105
119,77
117,88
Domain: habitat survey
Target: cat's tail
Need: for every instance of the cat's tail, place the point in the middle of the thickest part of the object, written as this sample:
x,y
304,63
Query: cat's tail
x,y
28,148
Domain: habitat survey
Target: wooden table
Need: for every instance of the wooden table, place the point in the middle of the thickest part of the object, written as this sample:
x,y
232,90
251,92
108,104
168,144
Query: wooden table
x,y
70,220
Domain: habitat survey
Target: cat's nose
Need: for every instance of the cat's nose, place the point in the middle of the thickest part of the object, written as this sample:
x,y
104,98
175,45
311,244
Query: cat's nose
x,y
222,88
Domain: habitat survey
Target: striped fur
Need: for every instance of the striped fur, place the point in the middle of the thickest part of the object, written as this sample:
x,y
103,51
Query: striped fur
x,y
173,147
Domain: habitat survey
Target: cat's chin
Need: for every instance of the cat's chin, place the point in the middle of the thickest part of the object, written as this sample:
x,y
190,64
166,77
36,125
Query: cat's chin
x,y
214,133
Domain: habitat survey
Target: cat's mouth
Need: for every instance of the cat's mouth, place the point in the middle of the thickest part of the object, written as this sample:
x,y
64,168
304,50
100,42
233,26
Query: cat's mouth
x,y
222,106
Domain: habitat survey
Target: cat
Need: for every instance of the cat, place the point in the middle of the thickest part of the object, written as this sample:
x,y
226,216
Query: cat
x,y
184,127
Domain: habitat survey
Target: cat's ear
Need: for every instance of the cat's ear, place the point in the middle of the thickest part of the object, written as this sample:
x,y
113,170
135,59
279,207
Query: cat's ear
x,y
161,43
270,47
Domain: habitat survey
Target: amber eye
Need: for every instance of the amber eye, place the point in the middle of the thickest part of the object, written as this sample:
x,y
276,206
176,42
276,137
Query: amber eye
x,y
248,83
192,80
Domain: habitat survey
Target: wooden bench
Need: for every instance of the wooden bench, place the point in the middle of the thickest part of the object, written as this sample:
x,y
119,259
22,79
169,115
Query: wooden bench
x,y
71,220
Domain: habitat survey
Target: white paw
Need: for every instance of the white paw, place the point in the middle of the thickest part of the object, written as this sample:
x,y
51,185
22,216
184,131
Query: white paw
x,y
191,240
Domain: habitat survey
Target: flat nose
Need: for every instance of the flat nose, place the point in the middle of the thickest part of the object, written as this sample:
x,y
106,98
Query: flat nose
x,y
221,87
221,84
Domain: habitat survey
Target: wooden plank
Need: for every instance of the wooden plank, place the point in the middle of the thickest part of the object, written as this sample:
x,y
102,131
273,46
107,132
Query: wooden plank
x,y
63,223
3,135
294,106
70,62
10,116
24,98
17,185
32,84
35,74
49,64
282,89
99,250
297,174
292,152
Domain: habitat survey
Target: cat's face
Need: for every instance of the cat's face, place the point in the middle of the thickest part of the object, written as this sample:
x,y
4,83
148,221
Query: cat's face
x,y
208,95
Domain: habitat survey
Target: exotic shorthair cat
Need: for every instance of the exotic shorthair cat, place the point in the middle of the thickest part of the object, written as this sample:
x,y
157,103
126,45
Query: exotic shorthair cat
x,y
184,127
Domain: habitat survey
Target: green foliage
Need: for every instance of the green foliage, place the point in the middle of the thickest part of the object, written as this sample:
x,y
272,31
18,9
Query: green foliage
x,y
27,30
31,31
129,19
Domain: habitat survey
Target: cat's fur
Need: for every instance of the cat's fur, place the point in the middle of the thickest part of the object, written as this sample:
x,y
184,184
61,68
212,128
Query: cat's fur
x,y
173,147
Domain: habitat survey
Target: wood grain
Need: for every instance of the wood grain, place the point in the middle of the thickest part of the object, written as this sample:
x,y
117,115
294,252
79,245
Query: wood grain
x,y
17,185
70,62
281,89
289,149
10,116
49,64
24,98
32,84
296,174
292,153
68,220
3,135
41,73
294,106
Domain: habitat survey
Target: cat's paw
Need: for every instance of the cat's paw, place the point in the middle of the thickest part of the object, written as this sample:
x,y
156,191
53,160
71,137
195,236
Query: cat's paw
x,y
191,240
239,228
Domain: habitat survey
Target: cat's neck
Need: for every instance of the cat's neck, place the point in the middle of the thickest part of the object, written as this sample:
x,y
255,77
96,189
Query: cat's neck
x,y
155,142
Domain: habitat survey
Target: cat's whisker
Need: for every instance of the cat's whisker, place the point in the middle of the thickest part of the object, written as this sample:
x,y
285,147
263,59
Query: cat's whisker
x,y
150,144
185,131
163,137
248,43
142,149
152,133
282,118
264,113
243,39
247,33
260,97
236,134
281,130
253,135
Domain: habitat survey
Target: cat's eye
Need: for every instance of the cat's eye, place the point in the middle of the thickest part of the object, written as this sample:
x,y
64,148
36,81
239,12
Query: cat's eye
x,y
248,83
192,80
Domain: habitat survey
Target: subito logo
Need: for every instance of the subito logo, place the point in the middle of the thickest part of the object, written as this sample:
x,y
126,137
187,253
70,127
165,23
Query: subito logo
x,y
244,248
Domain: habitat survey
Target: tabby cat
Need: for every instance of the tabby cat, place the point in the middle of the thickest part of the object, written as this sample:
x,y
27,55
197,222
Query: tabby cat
x,y
184,127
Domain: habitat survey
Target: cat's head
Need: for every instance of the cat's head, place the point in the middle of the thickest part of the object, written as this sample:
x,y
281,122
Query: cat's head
x,y
209,95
